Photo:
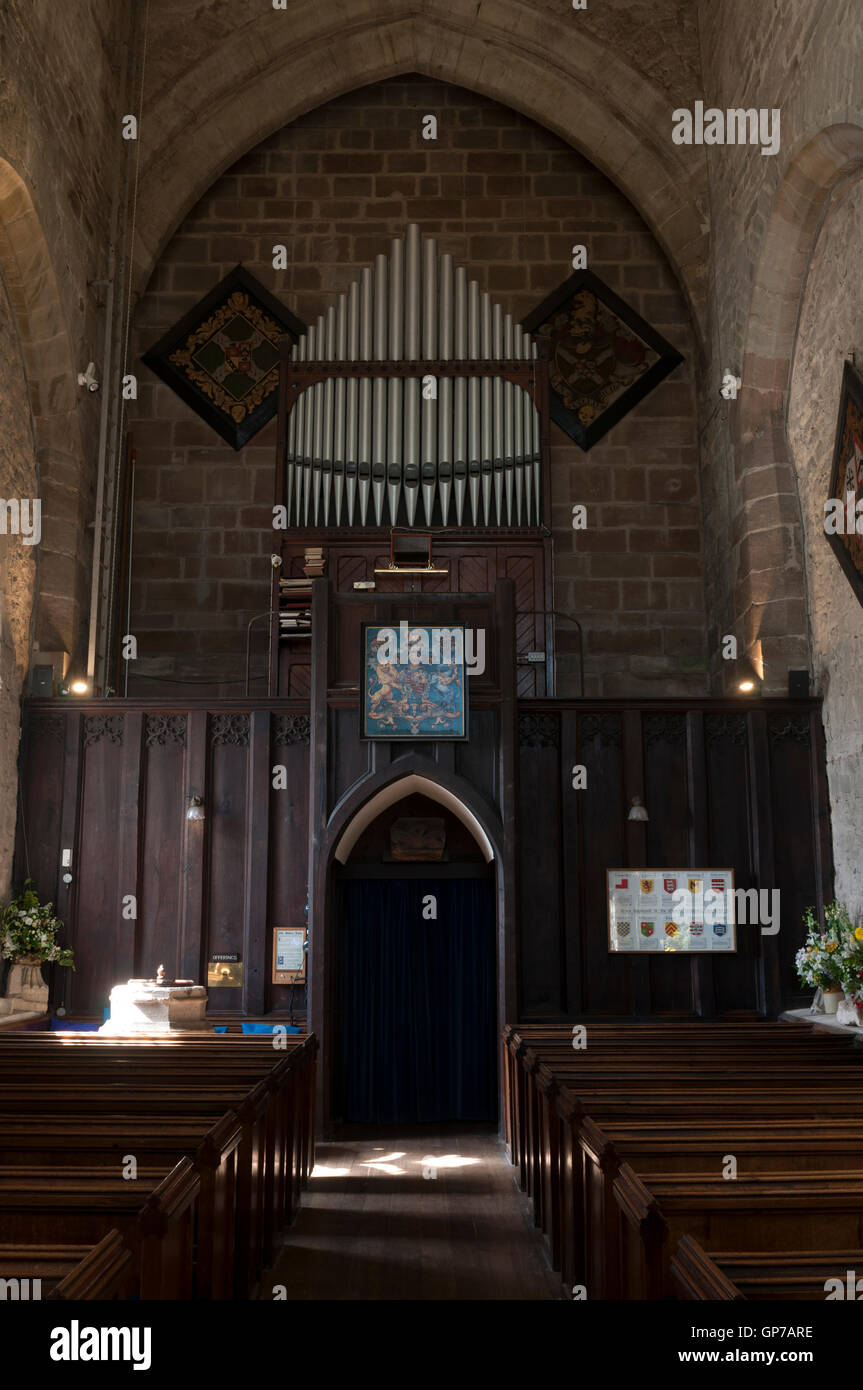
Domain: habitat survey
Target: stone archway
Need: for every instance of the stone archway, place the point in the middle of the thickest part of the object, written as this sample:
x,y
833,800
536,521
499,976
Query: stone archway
x,y
770,590
46,353
38,463
238,94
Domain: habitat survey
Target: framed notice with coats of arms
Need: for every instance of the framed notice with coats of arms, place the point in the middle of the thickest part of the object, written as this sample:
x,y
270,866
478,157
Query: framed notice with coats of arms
x,y
659,911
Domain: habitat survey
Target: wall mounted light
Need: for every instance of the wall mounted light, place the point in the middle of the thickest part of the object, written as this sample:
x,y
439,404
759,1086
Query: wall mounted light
x,y
196,808
747,681
637,810
73,685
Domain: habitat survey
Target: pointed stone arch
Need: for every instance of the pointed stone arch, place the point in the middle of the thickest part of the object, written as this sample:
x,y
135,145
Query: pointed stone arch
x,y
770,585
391,793
238,94
46,351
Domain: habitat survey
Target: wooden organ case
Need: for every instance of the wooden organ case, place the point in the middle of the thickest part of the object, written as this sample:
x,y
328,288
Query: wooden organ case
x,y
413,405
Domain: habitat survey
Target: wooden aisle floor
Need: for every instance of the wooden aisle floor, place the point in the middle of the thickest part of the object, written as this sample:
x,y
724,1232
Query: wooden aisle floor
x,y
372,1226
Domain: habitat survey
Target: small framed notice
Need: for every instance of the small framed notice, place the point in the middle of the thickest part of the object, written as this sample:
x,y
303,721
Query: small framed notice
x,y
654,911
289,958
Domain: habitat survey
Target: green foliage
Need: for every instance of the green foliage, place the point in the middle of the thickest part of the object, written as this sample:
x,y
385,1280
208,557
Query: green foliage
x,y
29,928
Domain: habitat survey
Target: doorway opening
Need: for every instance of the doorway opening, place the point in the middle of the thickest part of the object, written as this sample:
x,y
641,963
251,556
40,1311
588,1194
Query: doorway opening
x,y
416,993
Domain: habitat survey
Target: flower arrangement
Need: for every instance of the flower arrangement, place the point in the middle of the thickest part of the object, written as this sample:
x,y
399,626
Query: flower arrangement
x,y
29,928
820,961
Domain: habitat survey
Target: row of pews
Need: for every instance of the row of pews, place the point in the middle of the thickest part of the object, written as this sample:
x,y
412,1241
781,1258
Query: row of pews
x,y
134,1168
690,1161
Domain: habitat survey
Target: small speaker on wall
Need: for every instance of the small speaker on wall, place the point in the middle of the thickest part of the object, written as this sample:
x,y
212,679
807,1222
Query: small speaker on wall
x,y
798,685
42,682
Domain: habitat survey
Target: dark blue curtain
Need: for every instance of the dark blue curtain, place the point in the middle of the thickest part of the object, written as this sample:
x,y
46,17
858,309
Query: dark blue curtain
x,y
417,1024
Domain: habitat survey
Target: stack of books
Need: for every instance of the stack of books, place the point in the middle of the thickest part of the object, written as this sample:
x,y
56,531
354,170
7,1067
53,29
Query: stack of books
x,y
295,611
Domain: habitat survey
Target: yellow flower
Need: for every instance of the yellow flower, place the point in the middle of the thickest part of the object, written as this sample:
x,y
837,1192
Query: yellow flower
x,y
831,946
858,932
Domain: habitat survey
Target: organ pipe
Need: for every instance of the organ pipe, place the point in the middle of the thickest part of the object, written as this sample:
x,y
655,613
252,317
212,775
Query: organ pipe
x,y
361,449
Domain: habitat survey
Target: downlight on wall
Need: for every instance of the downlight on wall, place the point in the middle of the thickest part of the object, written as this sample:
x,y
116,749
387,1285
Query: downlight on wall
x,y
748,678
74,685
196,808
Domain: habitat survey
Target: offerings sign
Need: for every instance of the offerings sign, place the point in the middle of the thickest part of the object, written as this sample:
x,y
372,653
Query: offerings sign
x,y
660,910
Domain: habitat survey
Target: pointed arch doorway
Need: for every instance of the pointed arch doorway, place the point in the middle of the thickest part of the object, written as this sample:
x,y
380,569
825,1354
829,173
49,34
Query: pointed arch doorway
x,y
413,953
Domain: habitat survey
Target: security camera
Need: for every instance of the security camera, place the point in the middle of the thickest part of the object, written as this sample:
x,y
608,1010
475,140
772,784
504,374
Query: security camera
x,y
88,378
730,385
275,561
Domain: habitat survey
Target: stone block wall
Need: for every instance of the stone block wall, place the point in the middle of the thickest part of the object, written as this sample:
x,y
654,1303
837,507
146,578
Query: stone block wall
x,y
508,200
831,326
803,59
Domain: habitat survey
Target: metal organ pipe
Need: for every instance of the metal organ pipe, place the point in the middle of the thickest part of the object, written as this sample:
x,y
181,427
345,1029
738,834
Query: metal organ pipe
x,y
497,416
527,443
327,453
468,445
412,390
537,441
352,402
339,410
291,450
364,424
428,407
444,389
517,430
460,393
311,415
474,416
508,398
486,395
379,404
395,394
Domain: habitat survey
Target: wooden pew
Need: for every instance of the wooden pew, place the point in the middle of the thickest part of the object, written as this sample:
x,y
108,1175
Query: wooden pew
x,y
631,1080
105,1272
271,1126
771,1211
681,1147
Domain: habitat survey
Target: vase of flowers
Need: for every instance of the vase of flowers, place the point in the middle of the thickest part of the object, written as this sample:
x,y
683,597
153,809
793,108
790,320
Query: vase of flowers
x,y
820,961
852,967
28,937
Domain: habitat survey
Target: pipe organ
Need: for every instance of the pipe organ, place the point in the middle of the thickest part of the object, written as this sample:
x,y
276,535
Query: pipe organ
x,y
414,400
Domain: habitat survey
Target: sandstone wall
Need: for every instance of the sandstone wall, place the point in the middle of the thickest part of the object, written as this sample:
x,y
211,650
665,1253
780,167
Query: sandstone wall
x,y
17,573
805,60
508,200
831,326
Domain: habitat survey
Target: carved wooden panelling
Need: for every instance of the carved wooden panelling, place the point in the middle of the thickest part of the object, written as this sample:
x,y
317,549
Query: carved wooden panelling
x,y
291,728
162,729
604,729
99,726
230,729
539,730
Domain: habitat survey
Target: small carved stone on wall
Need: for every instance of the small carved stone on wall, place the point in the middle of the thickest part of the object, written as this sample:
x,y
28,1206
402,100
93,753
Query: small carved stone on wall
x,y
162,729
418,839
602,728
229,729
291,728
791,727
99,726
539,731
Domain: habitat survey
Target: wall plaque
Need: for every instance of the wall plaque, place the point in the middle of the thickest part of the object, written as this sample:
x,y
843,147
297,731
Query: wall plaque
x,y
658,911
289,958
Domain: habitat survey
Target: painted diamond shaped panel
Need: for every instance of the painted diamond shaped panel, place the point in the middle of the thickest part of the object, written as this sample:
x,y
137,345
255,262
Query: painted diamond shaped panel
x,y
603,357
222,358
